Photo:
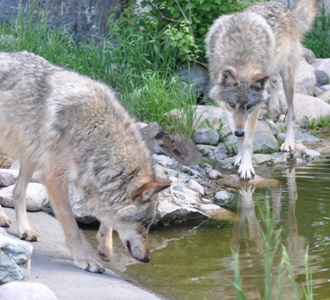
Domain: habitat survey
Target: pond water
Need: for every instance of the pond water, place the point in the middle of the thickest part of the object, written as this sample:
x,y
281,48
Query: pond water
x,y
197,262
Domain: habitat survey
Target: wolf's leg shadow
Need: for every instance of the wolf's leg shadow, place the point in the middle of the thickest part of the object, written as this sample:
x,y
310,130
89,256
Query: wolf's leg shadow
x,y
104,239
246,170
287,75
25,231
57,187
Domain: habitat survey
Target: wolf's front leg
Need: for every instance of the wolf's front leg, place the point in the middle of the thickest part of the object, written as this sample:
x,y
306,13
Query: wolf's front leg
x,y
57,187
288,84
246,170
104,239
238,158
243,160
25,231
245,144
4,220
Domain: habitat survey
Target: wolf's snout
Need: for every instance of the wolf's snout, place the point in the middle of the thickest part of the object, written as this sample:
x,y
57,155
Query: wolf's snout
x,y
239,133
146,259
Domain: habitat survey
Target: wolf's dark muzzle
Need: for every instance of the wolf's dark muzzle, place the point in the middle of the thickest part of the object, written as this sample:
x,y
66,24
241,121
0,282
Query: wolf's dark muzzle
x,y
239,133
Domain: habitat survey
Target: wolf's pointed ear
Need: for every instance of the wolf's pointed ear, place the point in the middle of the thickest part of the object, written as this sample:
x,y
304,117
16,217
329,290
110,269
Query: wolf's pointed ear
x,y
145,192
259,81
229,77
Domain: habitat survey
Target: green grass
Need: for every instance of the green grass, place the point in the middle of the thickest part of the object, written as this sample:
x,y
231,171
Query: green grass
x,y
318,40
138,65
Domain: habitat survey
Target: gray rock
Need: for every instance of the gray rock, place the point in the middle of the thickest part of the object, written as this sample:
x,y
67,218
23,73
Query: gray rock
x,y
195,186
213,209
322,78
264,138
304,79
280,136
213,153
86,20
206,136
26,291
206,114
325,95
214,174
176,207
325,87
223,197
318,91
172,173
316,107
181,149
322,64
303,135
176,146
178,188
36,197
8,177
259,159
15,258
195,77
165,161
79,208
312,153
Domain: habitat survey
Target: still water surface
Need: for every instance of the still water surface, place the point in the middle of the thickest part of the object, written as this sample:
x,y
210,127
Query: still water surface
x,y
197,263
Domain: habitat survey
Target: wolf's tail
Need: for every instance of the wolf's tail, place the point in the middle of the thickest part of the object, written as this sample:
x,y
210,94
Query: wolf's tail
x,y
304,12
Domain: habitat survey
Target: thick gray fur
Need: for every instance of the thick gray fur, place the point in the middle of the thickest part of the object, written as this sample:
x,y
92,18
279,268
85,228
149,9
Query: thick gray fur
x,y
246,52
71,128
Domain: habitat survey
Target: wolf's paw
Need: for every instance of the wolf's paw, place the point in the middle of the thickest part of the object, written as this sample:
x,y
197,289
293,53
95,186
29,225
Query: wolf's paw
x,y
287,147
29,235
89,265
246,172
237,161
4,220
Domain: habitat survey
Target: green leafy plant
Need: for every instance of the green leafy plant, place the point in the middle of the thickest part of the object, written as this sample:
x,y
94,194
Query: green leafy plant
x,y
231,149
186,23
220,130
315,124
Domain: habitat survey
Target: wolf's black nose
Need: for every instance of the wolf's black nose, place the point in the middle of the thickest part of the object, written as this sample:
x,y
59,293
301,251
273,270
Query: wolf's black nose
x,y
239,133
146,259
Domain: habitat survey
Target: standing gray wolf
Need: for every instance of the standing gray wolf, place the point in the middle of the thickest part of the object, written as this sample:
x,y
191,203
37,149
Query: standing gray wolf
x,y
73,129
246,52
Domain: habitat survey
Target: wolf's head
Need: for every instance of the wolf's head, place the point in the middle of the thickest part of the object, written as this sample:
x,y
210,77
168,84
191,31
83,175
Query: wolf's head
x,y
134,220
240,96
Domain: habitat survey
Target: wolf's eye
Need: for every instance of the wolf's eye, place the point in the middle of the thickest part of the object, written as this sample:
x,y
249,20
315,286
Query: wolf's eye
x,y
249,106
232,104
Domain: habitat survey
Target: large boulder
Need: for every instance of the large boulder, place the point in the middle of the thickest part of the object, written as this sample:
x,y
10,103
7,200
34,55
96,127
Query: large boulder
x,y
322,64
86,19
194,77
15,258
306,106
304,78
264,138
36,197
206,116
26,291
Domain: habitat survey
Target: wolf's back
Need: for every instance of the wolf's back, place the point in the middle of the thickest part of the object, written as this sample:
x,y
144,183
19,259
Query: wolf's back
x,y
304,12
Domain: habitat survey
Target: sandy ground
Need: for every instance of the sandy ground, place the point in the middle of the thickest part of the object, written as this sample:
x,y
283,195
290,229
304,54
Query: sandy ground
x,y
52,265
